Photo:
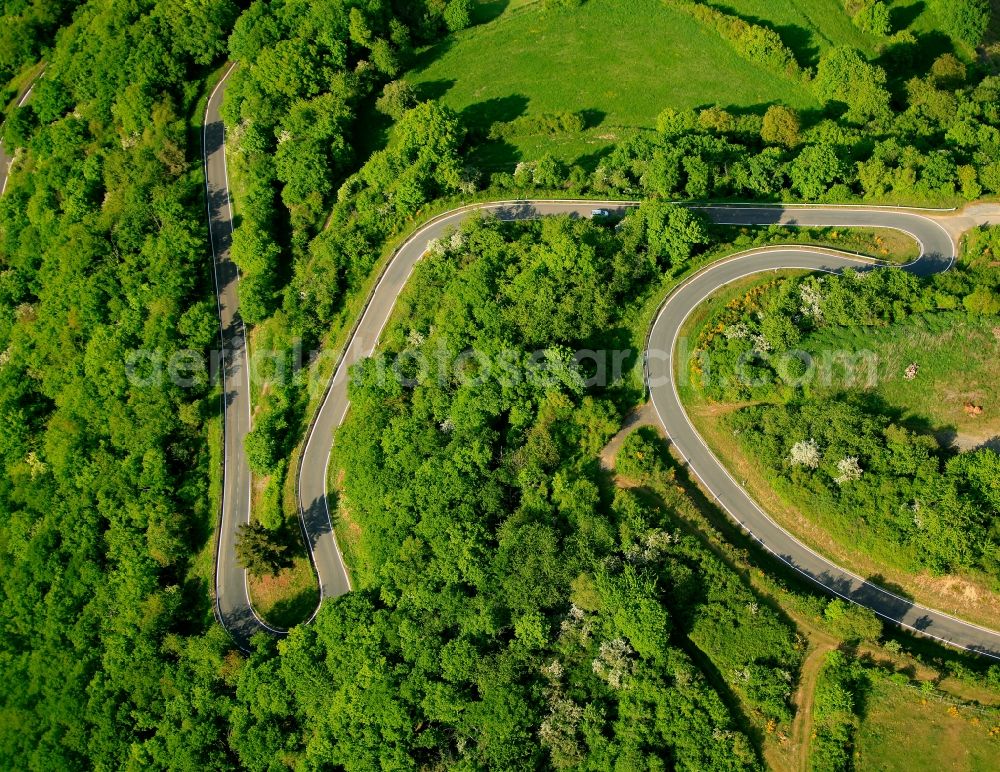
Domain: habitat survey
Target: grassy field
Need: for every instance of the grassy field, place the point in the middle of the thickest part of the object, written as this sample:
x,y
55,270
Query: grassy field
x,y
882,243
958,365
906,731
810,27
622,60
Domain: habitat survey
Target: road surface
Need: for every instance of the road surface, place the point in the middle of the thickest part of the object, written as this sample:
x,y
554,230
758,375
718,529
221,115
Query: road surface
x,y
232,595
232,598
938,252
5,160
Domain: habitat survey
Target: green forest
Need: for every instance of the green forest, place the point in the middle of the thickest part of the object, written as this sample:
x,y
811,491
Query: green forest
x,y
558,613
514,608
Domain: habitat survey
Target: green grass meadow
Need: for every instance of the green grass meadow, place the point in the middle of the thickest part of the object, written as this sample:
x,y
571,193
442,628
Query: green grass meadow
x,y
958,360
621,62
906,731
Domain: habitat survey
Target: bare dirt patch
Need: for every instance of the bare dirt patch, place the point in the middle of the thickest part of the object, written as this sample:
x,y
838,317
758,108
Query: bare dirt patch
x,y
644,415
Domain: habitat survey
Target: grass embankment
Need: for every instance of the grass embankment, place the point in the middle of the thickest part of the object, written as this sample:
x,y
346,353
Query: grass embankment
x,y
904,729
288,598
957,361
12,91
886,244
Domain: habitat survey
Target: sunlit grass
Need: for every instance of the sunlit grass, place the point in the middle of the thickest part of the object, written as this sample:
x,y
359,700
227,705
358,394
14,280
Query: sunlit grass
x,y
906,730
624,60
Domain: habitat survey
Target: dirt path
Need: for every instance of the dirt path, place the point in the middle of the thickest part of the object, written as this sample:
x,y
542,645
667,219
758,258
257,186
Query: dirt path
x,y
644,415
803,700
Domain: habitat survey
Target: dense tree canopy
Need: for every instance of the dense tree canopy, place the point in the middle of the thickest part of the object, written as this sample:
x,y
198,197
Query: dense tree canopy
x,y
109,651
965,19
508,613
513,609
27,28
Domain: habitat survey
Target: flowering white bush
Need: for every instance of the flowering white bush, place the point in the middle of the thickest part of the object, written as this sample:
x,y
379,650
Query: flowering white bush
x,y
558,731
575,624
650,548
553,672
811,300
805,453
436,247
524,173
738,330
849,469
614,662
760,344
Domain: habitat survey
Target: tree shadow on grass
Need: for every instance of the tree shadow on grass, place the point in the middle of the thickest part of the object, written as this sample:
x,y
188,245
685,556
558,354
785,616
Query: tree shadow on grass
x,y
478,117
433,89
592,117
427,56
372,132
902,16
487,10
294,610
800,40
808,116
590,161
494,156
930,45
903,60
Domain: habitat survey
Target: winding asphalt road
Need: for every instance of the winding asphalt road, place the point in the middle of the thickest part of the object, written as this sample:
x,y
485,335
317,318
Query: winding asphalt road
x,y
233,604
232,596
6,160
937,254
